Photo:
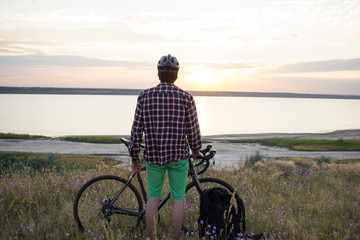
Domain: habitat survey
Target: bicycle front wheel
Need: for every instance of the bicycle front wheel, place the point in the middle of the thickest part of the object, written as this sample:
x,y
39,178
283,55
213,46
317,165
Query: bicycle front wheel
x,y
94,213
192,202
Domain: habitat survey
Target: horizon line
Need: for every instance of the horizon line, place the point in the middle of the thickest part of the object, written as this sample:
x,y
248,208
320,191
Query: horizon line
x,y
134,91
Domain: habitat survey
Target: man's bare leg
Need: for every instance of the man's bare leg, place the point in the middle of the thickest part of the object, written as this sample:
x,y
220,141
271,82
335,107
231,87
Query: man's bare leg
x,y
151,215
177,218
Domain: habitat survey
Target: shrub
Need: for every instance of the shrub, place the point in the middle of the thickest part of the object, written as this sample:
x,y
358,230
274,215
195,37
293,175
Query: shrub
x,y
322,160
9,163
40,164
257,157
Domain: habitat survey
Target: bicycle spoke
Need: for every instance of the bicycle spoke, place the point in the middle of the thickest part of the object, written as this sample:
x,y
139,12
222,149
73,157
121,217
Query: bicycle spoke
x,y
97,217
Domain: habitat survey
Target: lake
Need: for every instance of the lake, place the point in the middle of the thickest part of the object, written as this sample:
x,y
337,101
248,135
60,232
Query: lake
x,y
60,115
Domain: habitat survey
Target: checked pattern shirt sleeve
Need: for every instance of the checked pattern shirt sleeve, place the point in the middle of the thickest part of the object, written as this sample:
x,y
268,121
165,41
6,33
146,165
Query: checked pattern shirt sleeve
x,y
167,117
136,133
193,128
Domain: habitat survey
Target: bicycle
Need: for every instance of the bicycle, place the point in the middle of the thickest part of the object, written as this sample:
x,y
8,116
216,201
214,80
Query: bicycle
x,y
112,202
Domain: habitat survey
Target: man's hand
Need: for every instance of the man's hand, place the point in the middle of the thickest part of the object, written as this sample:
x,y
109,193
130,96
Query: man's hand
x,y
136,167
196,156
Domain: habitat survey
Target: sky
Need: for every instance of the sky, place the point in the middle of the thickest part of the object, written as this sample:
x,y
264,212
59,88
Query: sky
x,y
302,46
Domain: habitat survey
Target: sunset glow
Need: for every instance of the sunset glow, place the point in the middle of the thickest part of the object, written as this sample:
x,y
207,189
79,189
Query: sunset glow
x,y
202,78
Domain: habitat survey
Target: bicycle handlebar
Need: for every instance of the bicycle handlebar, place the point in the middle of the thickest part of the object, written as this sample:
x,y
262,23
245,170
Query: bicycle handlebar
x,y
206,150
127,142
204,161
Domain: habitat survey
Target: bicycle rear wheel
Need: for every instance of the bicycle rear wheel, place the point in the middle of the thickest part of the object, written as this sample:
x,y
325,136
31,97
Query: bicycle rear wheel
x,y
192,202
95,216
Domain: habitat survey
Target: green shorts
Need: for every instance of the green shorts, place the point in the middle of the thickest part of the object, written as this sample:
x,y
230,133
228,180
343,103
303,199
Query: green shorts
x,y
177,173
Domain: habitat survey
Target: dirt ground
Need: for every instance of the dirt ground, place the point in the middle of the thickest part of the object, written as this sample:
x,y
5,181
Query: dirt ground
x,y
227,153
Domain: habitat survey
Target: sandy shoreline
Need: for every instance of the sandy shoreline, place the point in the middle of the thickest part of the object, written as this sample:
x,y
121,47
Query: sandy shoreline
x,y
344,134
227,152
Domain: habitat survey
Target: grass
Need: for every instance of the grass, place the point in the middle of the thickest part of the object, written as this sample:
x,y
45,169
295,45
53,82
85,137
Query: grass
x,y
309,144
286,199
93,139
19,136
89,139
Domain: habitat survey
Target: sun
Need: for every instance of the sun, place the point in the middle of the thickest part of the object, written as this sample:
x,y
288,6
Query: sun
x,y
202,77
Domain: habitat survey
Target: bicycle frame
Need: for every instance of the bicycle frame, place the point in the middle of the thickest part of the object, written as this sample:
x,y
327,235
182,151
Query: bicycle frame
x,y
163,201
125,211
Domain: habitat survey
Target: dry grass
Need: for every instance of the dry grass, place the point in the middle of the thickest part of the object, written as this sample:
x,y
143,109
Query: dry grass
x,y
286,199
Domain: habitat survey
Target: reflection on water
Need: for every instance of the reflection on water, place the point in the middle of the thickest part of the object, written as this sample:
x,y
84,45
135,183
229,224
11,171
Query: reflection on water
x,y
233,115
57,115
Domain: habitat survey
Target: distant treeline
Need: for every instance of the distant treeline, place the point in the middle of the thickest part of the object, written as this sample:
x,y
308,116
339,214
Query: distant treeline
x,y
106,91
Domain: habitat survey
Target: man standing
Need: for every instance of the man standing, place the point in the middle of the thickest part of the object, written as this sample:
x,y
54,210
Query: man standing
x,y
167,116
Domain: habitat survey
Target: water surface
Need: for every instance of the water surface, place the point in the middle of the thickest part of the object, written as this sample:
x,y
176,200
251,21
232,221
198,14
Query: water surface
x,y
59,115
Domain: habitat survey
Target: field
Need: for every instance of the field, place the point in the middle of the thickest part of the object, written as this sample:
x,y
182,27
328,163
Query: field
x,y
309,144
286,199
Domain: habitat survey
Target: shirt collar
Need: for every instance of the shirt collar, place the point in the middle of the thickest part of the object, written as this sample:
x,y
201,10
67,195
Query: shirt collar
x,y
165,83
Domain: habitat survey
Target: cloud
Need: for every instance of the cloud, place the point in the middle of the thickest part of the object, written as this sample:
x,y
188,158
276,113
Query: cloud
x,y
321,66
64,61
4,75
78,61
219,65
20,47
24,1
84,35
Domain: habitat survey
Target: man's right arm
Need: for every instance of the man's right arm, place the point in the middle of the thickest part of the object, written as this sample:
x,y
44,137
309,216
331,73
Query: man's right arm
x,y
136,134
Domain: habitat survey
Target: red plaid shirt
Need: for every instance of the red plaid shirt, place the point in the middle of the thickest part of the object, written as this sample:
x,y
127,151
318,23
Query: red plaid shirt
x,y
167,116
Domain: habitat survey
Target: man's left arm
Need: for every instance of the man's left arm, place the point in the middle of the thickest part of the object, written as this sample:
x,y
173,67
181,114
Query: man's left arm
x,y
193,133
